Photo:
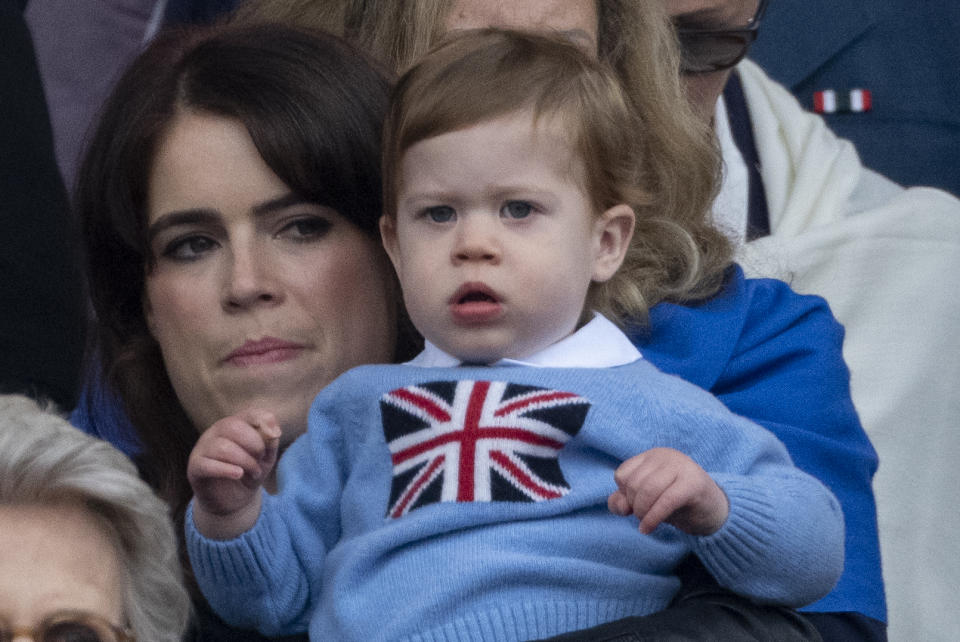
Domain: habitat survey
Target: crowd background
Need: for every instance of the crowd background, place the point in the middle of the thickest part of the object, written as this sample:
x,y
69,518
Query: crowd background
x,y
901,53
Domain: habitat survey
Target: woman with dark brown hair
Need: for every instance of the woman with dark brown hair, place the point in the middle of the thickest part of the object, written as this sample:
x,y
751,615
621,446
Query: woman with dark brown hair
x,y
229,201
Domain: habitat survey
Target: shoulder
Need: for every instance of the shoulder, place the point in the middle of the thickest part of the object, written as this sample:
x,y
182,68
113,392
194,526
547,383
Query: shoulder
x,y
760,318
773,310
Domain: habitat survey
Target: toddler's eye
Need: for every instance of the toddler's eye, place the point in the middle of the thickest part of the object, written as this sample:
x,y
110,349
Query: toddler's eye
x,y
517,209
440,213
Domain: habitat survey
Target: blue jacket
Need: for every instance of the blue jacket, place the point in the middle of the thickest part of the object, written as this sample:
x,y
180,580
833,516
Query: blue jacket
x,y
905,52
775,356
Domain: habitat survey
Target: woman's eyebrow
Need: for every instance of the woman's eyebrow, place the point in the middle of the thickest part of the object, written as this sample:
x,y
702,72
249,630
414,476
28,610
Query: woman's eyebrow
x,y
182,217
279,203
209,216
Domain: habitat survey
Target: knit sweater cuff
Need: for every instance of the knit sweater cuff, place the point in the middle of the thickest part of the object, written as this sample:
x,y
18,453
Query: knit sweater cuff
x,y
770,552
240,562
251,581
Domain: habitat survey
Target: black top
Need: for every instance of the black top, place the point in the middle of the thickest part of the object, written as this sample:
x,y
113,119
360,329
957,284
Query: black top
x,y
741,128
42,310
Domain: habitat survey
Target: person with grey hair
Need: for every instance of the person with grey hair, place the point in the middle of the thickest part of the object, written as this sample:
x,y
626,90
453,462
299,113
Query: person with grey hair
x,y
89,549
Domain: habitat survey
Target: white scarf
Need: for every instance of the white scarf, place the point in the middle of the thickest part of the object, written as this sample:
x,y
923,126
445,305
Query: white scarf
x,y
887,259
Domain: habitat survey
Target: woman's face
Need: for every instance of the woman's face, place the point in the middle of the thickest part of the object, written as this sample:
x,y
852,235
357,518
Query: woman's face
x,y
257,299
56,558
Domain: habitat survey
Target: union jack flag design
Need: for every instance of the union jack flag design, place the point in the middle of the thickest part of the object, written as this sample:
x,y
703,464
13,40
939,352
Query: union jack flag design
x,y
477,441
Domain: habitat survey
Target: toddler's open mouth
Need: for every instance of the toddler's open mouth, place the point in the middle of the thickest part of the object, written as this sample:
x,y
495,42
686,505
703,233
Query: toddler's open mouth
x,y
475,303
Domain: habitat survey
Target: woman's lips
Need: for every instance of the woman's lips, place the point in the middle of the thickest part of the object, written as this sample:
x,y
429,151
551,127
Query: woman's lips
x,y
267,350
475,303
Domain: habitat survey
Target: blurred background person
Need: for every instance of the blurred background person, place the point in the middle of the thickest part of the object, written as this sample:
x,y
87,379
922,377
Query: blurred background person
x,y
883,74
42,314
89,551
82,46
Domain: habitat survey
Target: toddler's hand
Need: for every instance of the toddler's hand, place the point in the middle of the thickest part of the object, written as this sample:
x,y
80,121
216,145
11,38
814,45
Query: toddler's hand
x,y
665,485
226,469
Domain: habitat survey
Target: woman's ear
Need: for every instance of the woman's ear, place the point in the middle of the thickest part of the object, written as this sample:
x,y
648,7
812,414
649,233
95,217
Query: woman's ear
x,y
148,315
612,233
388,236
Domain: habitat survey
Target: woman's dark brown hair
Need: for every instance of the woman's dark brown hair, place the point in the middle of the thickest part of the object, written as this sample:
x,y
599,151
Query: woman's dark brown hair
x,y
313,107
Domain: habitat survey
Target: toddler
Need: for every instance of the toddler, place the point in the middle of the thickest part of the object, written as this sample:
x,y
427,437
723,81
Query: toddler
x,y
491,488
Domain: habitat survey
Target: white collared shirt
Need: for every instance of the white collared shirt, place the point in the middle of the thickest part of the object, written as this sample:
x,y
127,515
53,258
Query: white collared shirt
x,y
598,344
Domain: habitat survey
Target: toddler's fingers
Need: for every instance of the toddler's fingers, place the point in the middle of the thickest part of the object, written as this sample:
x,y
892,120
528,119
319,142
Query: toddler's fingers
x,y
240,431
627,470
207,468
265,422
267,427
669,501
645,486
618,504
231,452
270,432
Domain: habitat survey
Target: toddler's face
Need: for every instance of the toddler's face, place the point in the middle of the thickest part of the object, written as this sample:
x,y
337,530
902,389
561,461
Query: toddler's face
x,y
495,241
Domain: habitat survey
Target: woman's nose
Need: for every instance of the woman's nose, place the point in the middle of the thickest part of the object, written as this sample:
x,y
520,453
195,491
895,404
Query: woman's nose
x,y
476,240
250,280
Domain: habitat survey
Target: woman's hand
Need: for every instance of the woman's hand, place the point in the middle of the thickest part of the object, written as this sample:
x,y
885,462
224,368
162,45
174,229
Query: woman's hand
x,y
226,469
665,485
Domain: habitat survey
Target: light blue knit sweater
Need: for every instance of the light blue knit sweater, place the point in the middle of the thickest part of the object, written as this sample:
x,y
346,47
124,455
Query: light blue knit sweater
x,y
420,509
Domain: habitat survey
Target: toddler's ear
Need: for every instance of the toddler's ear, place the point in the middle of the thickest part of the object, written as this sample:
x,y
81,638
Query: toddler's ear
x,y
612,233
388,236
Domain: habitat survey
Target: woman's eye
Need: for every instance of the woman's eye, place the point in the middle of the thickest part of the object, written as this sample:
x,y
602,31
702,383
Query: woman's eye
x,y
517,209
307,229
189,248
440,213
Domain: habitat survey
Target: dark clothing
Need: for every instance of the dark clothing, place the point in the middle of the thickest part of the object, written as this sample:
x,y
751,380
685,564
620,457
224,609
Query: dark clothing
x,y
82,46
179,12
741,129
903,52
42,311
207,627
704,611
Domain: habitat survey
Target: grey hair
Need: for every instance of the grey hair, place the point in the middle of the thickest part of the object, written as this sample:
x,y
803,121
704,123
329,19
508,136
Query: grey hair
x,y
45,460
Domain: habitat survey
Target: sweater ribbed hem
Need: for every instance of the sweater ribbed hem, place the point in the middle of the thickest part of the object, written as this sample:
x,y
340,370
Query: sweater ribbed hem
x,y
534,620
249,600
746,549
746,537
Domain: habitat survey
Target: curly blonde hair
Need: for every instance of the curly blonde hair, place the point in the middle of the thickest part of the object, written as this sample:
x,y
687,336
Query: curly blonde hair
x,y
677,253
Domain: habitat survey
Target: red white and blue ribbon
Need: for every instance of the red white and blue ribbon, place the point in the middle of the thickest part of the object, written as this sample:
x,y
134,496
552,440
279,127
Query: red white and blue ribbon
x,y
830,101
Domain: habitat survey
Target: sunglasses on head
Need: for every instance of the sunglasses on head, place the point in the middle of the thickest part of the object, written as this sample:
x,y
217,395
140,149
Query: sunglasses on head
x,y
69,626
706,50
